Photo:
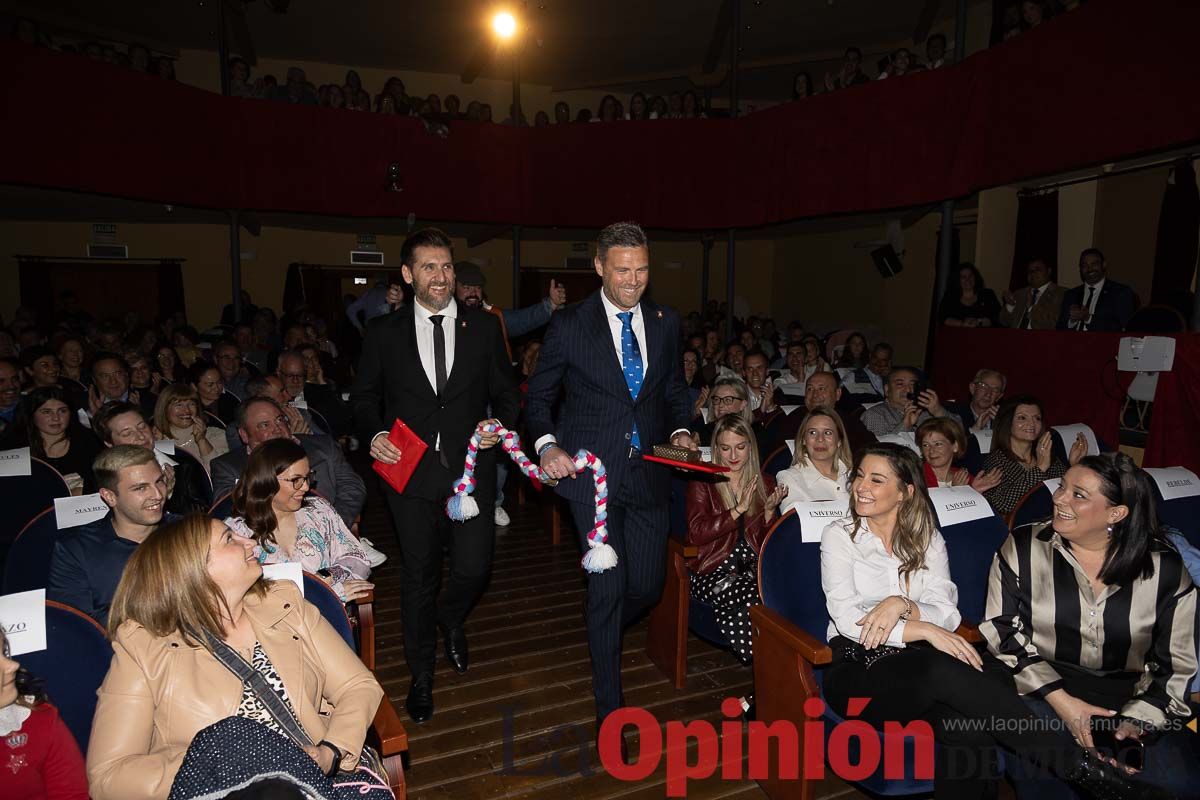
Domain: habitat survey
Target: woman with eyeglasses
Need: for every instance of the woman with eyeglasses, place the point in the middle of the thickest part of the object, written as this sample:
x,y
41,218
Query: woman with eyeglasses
x,y
272,505
731,396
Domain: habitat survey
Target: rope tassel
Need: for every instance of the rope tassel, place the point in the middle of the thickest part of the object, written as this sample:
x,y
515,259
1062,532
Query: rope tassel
x,y
462,507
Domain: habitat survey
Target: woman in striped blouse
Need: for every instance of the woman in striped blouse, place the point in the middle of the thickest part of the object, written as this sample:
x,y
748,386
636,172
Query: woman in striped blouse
x,y
1094,616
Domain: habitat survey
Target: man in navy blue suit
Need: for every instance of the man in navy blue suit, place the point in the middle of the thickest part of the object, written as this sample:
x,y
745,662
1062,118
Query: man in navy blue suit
x,y
1099,304
609,379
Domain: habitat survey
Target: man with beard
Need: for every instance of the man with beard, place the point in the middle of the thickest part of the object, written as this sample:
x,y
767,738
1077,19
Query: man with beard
x,y
437,365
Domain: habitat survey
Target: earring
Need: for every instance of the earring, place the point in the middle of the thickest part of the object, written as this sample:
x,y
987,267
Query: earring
x,y
1110,530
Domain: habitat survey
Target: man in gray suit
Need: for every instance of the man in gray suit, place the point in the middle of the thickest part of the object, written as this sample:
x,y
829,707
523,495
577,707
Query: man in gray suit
x,y
262,419
1036,306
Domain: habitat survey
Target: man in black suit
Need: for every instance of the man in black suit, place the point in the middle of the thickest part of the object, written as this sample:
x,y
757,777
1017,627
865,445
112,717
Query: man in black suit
x,y
1099,304
436,365
611,366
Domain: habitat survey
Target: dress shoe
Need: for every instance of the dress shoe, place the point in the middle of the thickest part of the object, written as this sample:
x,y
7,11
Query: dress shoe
x,y
624,745
456,648
501,517
1098,780
420,698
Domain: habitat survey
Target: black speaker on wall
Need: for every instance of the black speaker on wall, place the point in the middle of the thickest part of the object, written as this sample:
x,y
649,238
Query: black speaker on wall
x,y
886,261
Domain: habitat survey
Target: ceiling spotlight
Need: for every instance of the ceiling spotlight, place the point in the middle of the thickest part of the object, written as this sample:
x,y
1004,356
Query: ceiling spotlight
x,y
504,24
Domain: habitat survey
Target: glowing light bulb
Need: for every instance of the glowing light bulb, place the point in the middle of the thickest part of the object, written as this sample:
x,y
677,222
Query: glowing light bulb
x,y
504,24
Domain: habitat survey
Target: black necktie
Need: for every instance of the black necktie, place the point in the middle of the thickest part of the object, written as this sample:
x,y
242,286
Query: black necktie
x,y
1033,296
1087,309
439,353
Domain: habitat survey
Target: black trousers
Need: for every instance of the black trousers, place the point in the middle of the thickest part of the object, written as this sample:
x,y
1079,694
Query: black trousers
x,y
423,529
922,683
616,597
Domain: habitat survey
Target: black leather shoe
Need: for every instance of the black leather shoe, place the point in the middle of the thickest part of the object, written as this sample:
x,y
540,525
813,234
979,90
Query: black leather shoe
x,y
1099,780
624,745
456,648
420,698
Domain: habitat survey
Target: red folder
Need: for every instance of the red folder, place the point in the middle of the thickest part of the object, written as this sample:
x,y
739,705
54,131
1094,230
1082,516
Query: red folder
x,y
690,466
411,448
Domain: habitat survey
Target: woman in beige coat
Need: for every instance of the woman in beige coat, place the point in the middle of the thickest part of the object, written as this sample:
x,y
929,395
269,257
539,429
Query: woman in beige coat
x,y
164,686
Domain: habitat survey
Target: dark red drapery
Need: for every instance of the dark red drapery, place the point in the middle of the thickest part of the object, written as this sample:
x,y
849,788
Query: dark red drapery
x,y
1091,86
1075,376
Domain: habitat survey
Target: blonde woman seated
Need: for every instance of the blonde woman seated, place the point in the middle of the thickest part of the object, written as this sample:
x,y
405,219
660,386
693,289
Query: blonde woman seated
x,y
820,469
727,520
273,507
942,441
190,589
177,416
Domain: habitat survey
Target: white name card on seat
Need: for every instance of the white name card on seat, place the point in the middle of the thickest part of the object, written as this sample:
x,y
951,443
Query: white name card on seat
x,y
1052,484
984,438
71,512
165,446
300,403
15,463
1146,354
291,571
789,409
164,460
1175,482
791,389
906,438
1067,434
814,518
791,443
958,504
23,616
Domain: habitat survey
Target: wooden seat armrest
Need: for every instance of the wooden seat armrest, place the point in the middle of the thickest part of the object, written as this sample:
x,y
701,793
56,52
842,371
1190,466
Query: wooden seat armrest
x,y
970,632
387,726
775,625
684,551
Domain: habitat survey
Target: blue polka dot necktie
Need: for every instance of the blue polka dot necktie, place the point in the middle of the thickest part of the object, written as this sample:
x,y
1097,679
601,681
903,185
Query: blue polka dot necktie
x,y
631,364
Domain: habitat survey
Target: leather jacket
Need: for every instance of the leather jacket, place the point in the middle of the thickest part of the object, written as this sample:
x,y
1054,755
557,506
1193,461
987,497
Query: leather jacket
x,y
712,528
160,692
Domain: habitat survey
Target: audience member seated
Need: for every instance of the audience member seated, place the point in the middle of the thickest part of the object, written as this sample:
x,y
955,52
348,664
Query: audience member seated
x,y
260,420
188,486
166,365
110,382
48,426
305,393
943,442
874,375
40,366
1035,307
177,417
1023,451
234,374
794,377
820,469
903,408
10,392
71,355
967,303
1098,304
271,508
44,762
727,521
731,396
193,589
986,390
902,654
694,378
758,384
211,397
731,362
851,73
854,352
141,379
88,560
1093,616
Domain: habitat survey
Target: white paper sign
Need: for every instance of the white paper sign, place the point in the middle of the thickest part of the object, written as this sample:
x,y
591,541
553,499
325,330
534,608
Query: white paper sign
x,y
291,571
15,463
23,616
906,438
985,440
1175,482
1067,434
869,406
815,517
300,403
164,460
790,409
165,446
71,512
791,389
853,387
791,443
84,419
1052,484
1146,354
958,504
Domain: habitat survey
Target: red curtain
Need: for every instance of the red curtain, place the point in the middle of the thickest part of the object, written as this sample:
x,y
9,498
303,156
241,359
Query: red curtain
x,y
1075,376
1024,108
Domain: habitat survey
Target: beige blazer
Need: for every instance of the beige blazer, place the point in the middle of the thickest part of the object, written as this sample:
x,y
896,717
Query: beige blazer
x,y
1045,313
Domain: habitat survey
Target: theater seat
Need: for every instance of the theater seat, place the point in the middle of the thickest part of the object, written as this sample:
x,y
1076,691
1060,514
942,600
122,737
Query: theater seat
x,y
28,563
1182,513
1036,506
222,507
971,547
779,460
387,733
73,666
24,497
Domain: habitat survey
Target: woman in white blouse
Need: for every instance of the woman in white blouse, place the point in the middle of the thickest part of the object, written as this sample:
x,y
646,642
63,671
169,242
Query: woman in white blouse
x,y
893,612
820,469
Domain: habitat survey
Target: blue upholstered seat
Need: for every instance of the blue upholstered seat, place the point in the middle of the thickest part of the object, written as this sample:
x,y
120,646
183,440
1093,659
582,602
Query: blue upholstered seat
x,y
971,547
778,460
317,592
24,497
28,563
1036,506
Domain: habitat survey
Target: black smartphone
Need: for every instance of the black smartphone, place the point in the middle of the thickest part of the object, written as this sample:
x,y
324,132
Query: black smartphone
x,y
915,395
1127,752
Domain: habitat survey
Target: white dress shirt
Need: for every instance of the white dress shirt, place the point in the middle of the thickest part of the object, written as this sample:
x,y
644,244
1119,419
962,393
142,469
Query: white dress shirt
x,y
1090,308
806,484
856,575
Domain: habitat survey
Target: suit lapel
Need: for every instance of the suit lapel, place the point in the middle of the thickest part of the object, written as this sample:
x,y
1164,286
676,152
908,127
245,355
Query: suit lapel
x,y
463,331
654,337
603,333
410,351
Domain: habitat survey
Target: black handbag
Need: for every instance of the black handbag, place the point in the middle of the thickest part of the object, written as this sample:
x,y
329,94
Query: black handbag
x,y
848,650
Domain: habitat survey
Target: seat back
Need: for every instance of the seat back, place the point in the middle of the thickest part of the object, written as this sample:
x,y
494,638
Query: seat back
x,y
23,497
317,592
789,576
73,666
677,520
971,547
1181,513
222,507
197,469
1036,506
779,460
28,564
213,421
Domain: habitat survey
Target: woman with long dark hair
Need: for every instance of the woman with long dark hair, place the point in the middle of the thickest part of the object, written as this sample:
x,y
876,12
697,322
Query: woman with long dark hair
x,y
968,303
46,423
1093,614
1023,451
855,352
272,505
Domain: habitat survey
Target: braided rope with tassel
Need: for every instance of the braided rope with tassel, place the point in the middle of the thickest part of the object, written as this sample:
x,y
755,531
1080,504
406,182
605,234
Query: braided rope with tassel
x,y
461,506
